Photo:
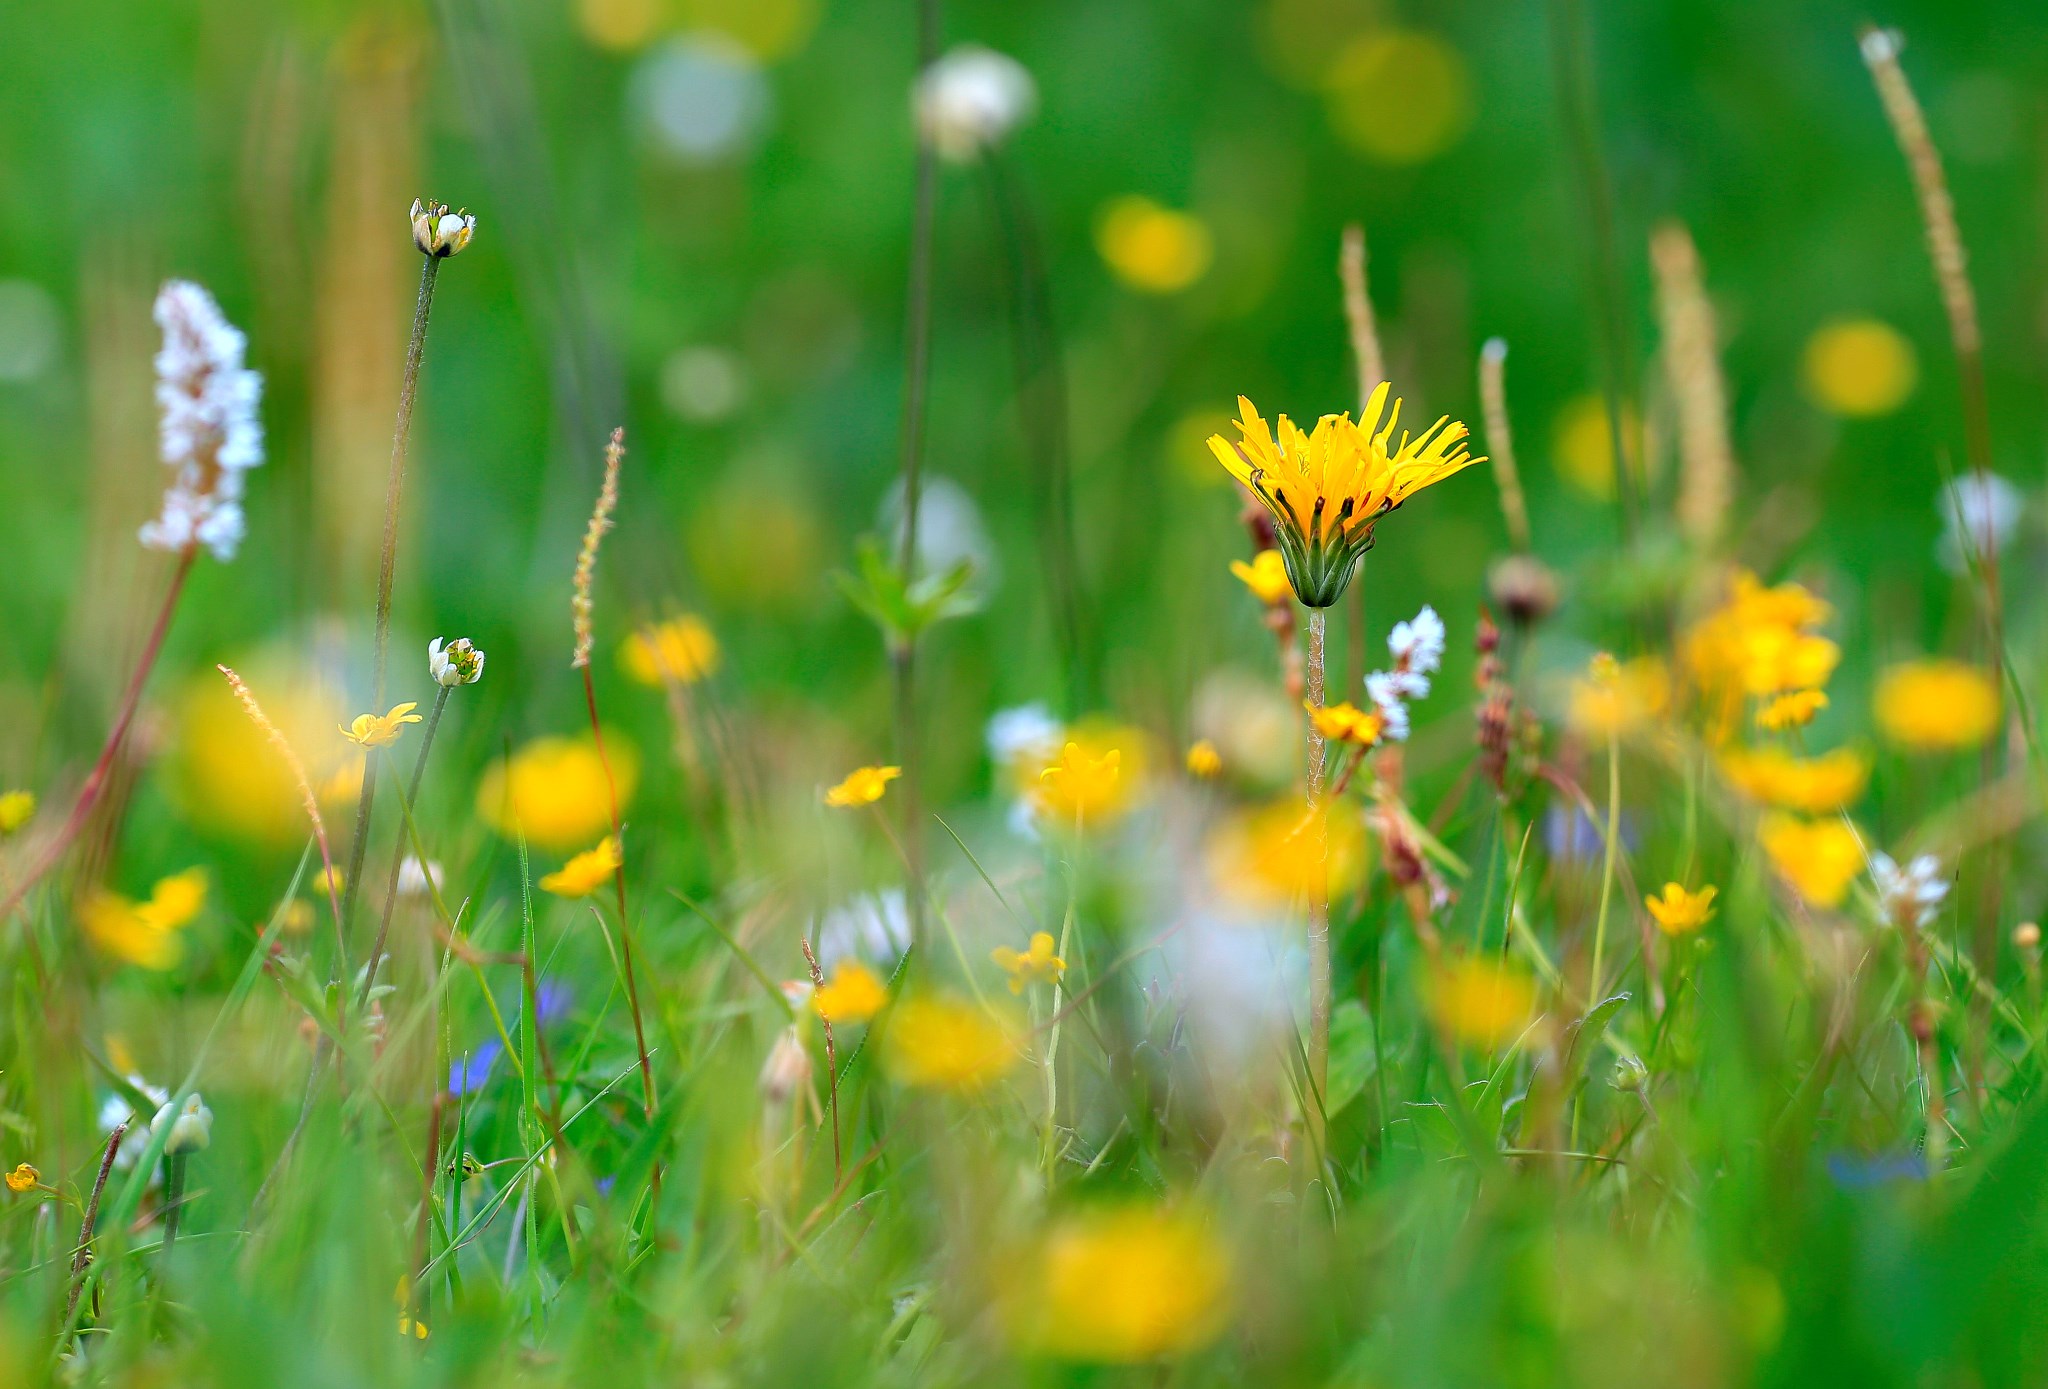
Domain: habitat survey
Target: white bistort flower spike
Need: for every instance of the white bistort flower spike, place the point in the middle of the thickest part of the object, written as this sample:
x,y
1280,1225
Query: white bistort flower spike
x,y
971,99
1417,647
209,432
1909,896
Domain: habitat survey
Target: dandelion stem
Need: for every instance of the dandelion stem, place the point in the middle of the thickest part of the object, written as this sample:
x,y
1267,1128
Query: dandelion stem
x,y
394,491
96,780
1319,885
412,796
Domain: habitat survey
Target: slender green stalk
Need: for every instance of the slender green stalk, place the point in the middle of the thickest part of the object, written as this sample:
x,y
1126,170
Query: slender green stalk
x,y
1319,885
1593,994
412,796
394,492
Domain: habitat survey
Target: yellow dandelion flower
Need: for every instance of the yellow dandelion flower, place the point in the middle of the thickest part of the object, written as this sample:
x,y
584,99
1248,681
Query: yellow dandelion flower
x,y
680,651
1678,912
862,786
587,871
1082,787
1819,858
553,790
1267,858
1122,1286
145,933
851,996
381,730
1859,368
1480,1000
1615,700
17,808
24,1178
1814,785
1266,577
1036,964
1154,249
938,1042
1347,723
1204,760
1793,710
1328,488
1936,705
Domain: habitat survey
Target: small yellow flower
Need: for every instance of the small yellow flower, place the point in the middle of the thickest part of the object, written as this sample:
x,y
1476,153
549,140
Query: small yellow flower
x,y
1082,788
381,730
1859,368
1122,1286
1678,912
17,808
1819,858
145,933
1936,705
587,872
1814,785
863,786
680,651
553,790
1614,700
1033,965
1347,723
1327,489
24,1178
1480,1000
408,1327
1266,577
1154,249
1204,760
946,1043
1793,710
330,879
851,996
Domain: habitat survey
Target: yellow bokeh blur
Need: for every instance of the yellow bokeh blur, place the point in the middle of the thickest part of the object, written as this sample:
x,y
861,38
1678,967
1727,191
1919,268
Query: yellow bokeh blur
x,y
1267,857
768,29
757,543
1121,1286
1152,248
1937,705
1582,445
553,790
226,777
1859,368
1399,96
619,25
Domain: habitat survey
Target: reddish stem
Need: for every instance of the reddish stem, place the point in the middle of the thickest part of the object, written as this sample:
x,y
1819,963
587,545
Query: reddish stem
x,y
96,780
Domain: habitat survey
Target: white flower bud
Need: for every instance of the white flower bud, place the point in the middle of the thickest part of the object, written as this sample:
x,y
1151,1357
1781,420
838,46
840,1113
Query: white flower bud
x,y
439,232
971,99
191,1128
456,663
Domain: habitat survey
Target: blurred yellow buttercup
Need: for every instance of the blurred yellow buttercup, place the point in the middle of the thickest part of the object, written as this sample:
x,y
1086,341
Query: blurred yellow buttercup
x,y
1153,248
554,791
1819,858
1859,368
942,1042
1082,787
1265,576
1814,785
1615,700
145,933
851,996
587,872
1204,760
1936,705
17,808
1122,1286
380,730
861,786
680,651
1678,912
1035,964
1267,858
1480,1000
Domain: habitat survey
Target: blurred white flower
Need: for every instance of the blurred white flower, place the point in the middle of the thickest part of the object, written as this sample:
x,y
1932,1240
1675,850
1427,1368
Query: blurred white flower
x,y
949,530
1417,647
417,879
788,1067
1909,896
703,384
872,927
209,431
702,97
971,99
1023,733
1983,510
191,1126
115,1109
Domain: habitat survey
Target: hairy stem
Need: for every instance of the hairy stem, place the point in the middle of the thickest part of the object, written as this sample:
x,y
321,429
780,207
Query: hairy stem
x,y
1319,886
81,1258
